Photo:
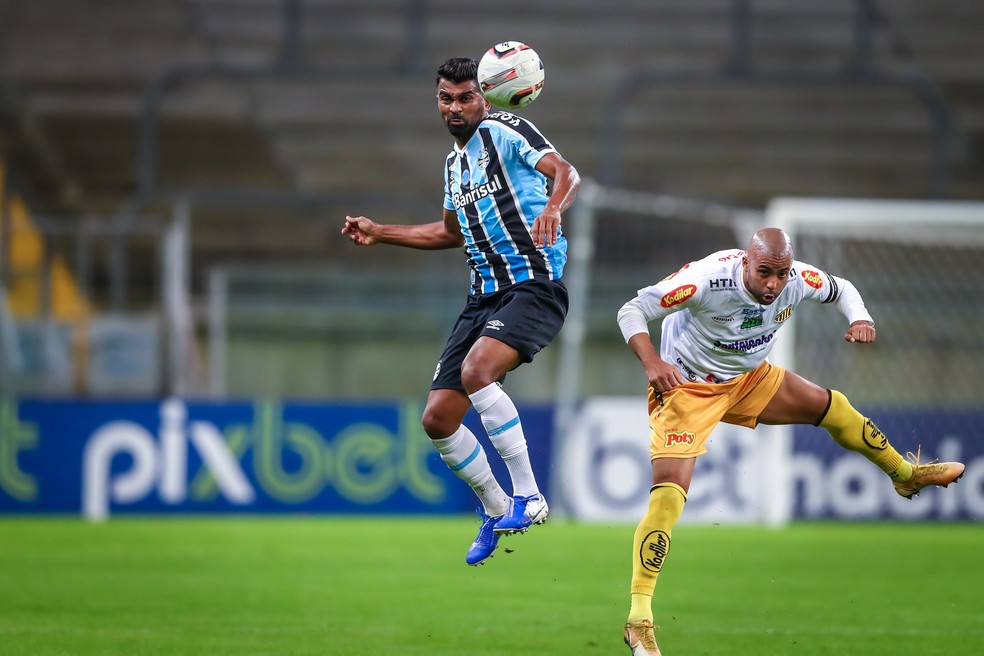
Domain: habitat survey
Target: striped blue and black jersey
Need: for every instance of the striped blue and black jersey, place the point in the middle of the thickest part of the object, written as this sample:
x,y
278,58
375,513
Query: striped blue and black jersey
x,y
493,185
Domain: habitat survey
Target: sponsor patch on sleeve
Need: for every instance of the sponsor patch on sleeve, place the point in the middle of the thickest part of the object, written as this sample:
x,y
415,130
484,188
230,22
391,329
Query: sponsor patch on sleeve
x,y
812,278
678,295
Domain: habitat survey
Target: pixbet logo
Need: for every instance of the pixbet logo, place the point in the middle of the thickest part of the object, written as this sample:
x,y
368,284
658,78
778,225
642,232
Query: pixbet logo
x,y
163,464
268,461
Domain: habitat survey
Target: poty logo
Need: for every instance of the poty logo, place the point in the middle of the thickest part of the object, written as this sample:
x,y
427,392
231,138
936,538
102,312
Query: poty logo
x,y
164,465
678,295
680,437
812,279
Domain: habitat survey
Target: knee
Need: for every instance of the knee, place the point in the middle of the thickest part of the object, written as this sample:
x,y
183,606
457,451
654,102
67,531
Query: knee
x,y
437,423
475,377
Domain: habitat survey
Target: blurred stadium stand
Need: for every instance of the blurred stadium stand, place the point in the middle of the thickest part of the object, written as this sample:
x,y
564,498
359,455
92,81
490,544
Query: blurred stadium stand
x,y
272,120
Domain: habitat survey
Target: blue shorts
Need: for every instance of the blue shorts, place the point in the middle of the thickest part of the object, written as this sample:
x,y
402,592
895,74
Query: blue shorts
x,y
526,316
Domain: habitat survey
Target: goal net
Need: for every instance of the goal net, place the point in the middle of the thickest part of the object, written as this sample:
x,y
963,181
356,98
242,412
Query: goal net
x,y
920,269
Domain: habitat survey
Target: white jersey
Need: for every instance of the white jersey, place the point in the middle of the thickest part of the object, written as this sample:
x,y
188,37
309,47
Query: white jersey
x,y
713,328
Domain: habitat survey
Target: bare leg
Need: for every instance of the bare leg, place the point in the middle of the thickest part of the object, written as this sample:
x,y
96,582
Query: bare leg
x,y
798,401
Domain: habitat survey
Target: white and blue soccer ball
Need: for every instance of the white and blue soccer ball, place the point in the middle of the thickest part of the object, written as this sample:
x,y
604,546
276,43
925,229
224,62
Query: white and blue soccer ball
x,y
510,75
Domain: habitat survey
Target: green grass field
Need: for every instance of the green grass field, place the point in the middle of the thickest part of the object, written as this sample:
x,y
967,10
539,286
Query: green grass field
x,y
340,586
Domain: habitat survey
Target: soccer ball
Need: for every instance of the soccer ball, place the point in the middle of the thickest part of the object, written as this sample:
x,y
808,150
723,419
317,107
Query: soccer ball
x,y
510,75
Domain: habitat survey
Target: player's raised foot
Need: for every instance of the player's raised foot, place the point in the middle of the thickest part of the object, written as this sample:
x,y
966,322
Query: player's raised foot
x,y
485,543
640,638
933,473
523,513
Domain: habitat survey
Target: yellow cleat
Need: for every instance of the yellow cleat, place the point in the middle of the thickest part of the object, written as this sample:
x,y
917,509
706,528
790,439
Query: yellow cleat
x,y
933,473
640,638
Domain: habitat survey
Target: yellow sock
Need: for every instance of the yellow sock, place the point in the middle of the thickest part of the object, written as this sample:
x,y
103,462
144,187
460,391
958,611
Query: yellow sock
x,y
650,545
642,607
855,432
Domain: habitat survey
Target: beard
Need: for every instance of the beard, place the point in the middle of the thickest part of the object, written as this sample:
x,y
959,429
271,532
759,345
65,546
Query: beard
x,y
462,131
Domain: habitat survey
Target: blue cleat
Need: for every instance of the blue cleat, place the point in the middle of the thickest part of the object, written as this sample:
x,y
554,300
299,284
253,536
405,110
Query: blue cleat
x,y
524,512
484,545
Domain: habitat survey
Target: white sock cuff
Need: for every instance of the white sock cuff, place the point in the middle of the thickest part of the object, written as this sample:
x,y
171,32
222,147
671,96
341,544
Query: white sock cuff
x,y
486,397
511,449
448,444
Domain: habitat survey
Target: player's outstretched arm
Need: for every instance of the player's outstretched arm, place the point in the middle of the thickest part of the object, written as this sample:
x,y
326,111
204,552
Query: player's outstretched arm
x,y
566,182
428,236
861,331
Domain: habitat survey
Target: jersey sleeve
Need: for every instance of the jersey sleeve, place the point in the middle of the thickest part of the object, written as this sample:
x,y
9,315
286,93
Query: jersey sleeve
x,y
523,137
822,287
671,294
448,203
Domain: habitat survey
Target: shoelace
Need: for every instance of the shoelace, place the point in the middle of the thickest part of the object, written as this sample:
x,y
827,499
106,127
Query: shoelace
x,y
483,518
914,458
647,637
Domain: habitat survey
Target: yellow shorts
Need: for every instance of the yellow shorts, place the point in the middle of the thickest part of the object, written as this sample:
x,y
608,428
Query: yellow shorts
x,y
683,419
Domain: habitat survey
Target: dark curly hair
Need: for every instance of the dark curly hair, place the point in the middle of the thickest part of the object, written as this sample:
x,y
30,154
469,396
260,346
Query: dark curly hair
x,y
458,70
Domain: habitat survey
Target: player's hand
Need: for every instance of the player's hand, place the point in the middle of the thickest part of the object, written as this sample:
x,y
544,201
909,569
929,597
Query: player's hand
x,y
663,377
546,229
860,331
361,231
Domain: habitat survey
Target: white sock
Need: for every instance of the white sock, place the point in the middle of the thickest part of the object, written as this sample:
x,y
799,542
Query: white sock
x,y
463,455
502,423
